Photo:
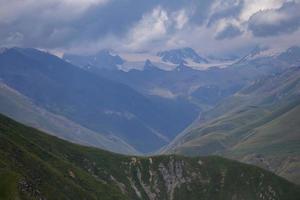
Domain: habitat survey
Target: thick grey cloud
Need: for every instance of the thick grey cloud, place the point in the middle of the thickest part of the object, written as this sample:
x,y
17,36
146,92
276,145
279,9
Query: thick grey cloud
x,y
225,9
50,24
89,25
230,31
54,25
276,21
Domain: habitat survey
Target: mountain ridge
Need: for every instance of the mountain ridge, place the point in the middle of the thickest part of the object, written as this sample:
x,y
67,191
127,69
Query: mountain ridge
x,y
35,165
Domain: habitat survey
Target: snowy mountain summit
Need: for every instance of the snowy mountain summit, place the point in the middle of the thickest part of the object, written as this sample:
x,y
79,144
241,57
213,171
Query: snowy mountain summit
x,y
178,56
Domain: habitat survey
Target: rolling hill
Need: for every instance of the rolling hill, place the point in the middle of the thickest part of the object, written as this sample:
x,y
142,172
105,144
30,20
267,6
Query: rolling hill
x,y
258,125
34,165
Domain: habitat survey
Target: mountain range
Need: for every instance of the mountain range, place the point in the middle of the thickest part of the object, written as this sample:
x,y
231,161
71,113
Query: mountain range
x,y
204,87
168,59
96,103
232,110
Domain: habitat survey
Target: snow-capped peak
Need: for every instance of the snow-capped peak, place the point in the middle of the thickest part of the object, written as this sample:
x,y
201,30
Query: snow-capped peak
x,y
177,56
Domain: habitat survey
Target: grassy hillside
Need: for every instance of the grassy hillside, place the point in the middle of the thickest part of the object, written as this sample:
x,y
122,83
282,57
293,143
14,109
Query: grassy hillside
x,y
22,109
34,165
274,145
259,125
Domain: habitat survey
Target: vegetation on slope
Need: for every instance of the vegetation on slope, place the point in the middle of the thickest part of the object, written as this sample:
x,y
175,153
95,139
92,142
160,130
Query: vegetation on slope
x,y
258,125
34,165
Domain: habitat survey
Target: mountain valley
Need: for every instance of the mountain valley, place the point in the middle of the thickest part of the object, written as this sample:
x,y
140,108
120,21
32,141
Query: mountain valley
x,y
149,100
219,111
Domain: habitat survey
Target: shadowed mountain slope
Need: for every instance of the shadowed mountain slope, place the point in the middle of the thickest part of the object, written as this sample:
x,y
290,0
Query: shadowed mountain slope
x,y
96,103
22,109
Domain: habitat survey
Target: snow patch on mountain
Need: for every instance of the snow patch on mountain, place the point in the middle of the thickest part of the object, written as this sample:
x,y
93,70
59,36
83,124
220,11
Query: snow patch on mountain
x,y
162,92
165,60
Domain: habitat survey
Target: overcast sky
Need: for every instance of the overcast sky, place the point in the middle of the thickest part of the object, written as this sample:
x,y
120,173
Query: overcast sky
x,y
209,26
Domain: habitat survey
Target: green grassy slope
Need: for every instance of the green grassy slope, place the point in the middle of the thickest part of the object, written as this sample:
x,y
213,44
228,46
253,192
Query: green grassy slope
x,y
20,108
259,125
34,165
280,136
